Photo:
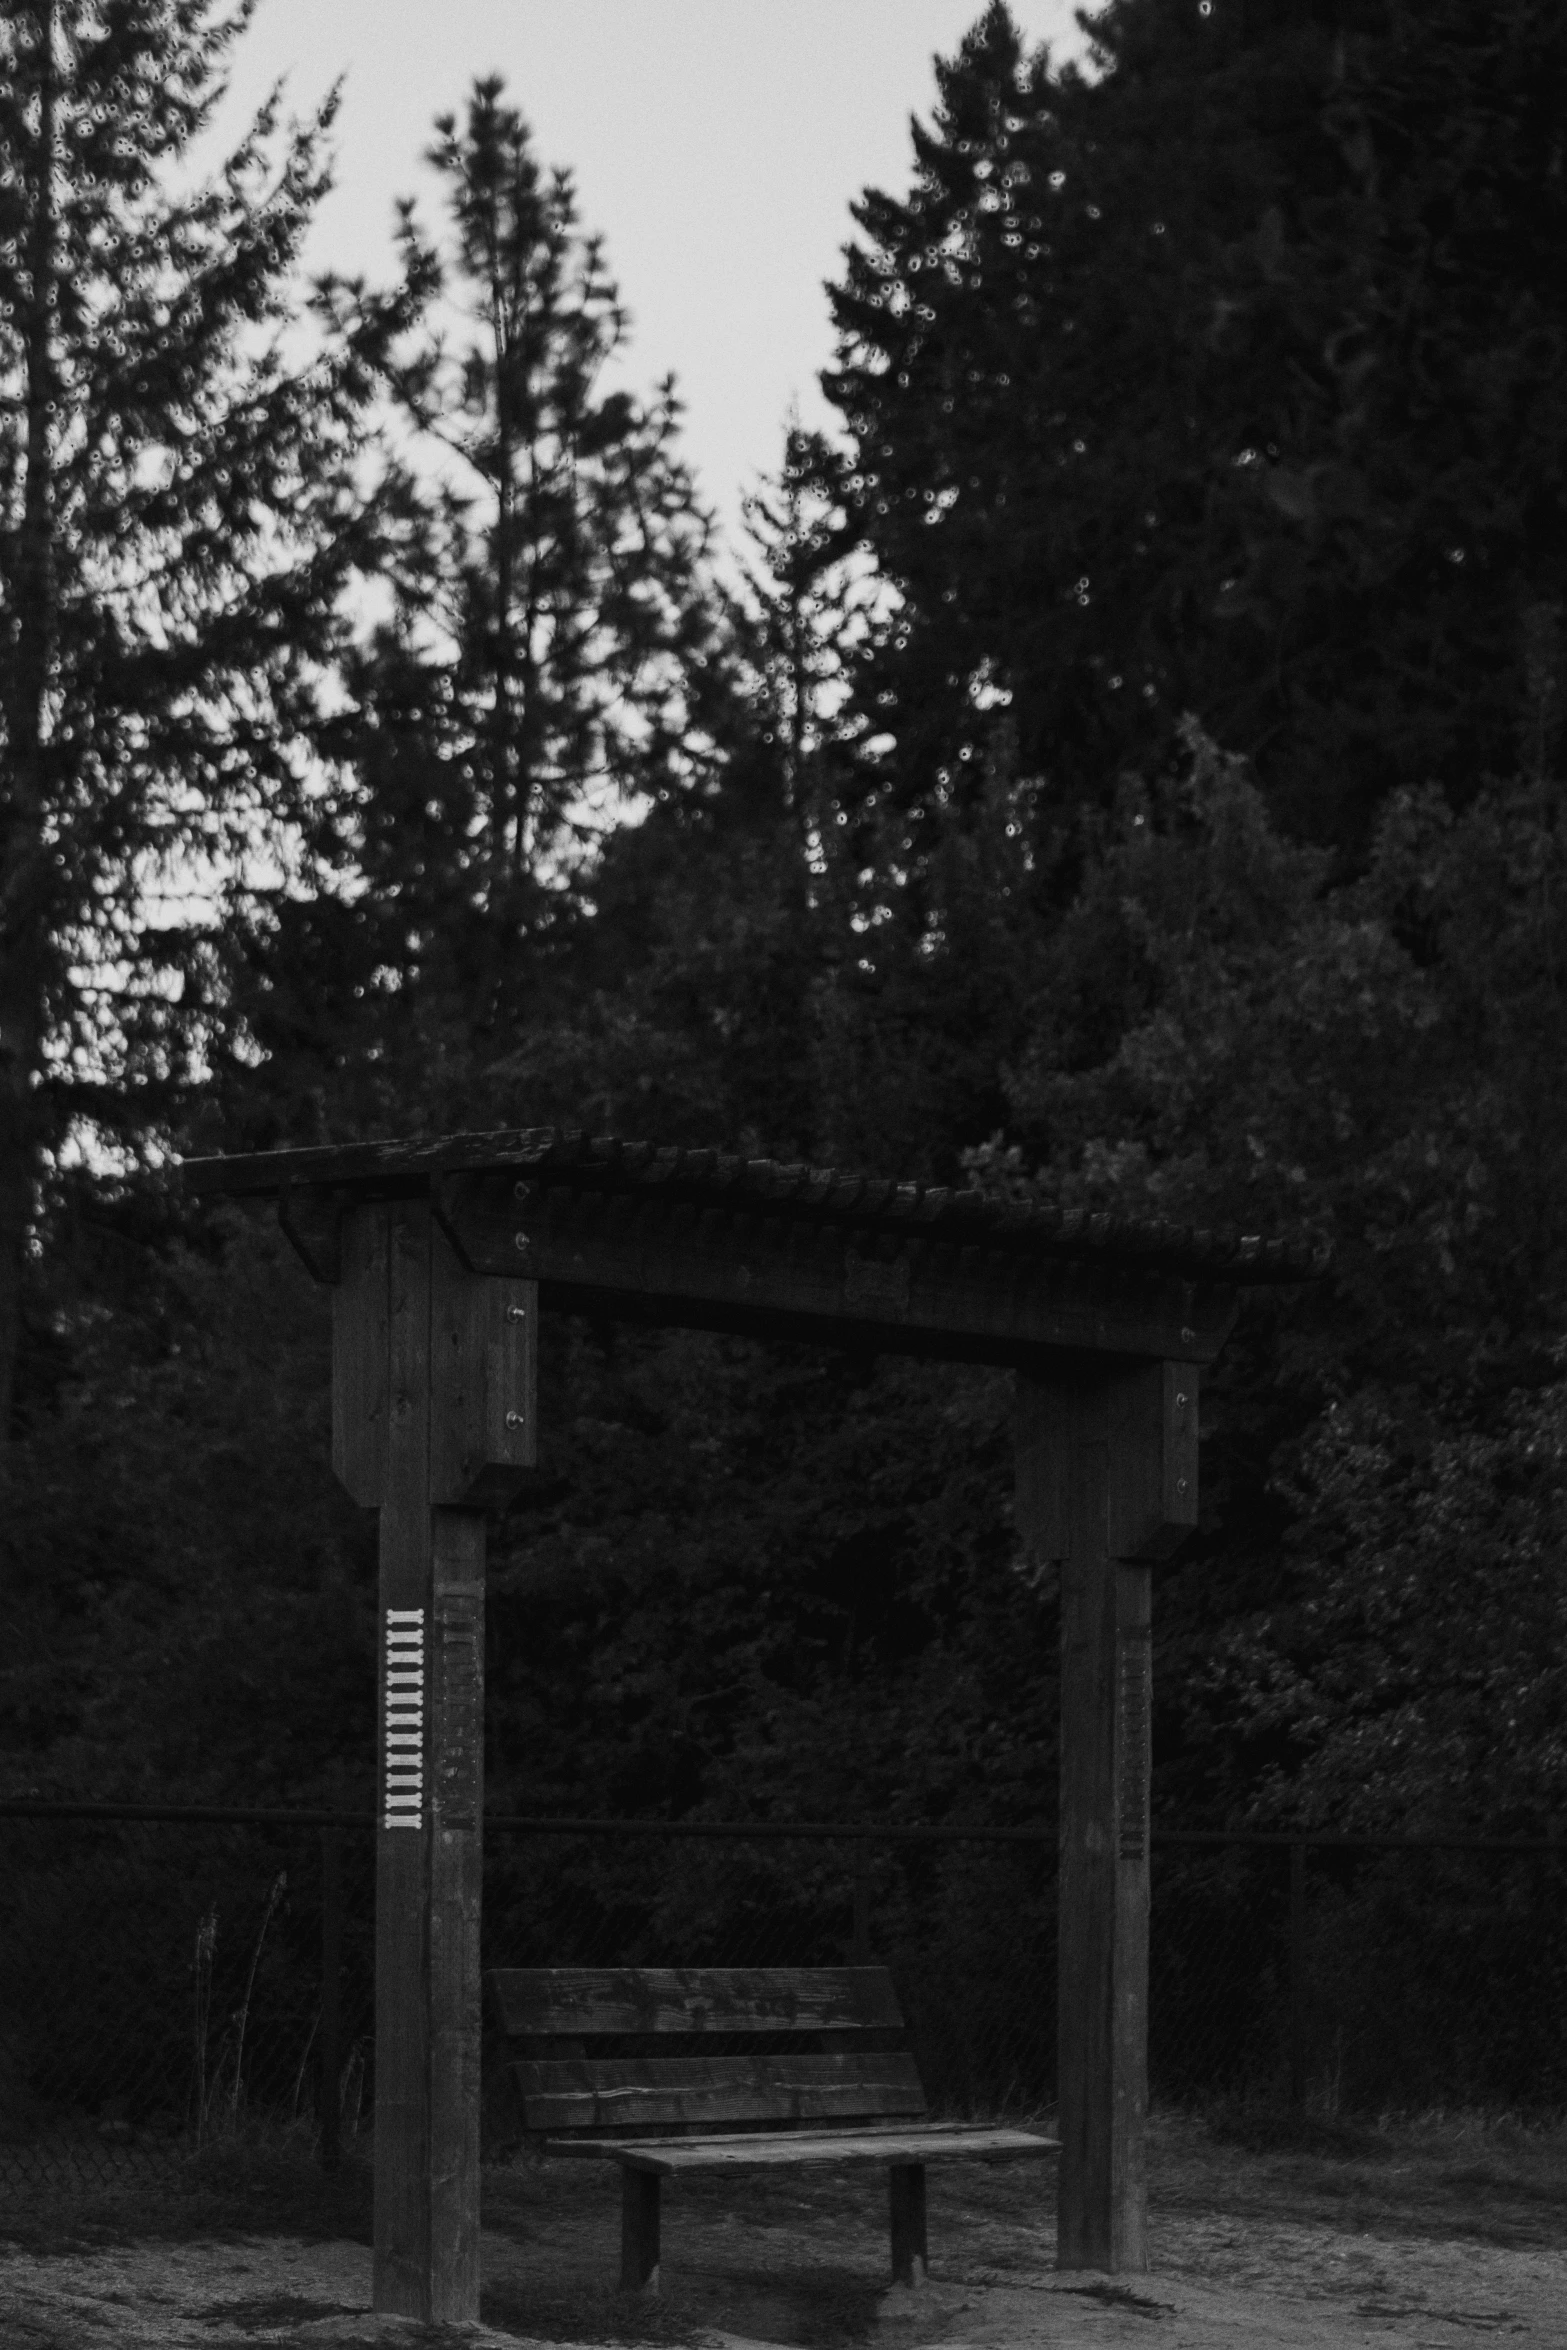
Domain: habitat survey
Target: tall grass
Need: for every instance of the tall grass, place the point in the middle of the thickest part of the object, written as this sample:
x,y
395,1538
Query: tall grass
x,y
217,2097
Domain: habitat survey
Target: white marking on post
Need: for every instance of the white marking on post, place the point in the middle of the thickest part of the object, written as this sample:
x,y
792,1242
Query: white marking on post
x,y
403,1737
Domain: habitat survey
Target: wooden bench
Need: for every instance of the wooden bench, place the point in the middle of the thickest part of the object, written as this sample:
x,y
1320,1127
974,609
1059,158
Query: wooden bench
x,y
667,2070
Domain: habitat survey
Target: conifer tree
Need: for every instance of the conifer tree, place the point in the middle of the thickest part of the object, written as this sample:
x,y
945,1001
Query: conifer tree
x,y
1224,378
554,648
177,520
808,608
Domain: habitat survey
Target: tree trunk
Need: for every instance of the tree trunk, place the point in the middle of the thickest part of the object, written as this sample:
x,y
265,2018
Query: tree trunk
x,y
26,874
20,1028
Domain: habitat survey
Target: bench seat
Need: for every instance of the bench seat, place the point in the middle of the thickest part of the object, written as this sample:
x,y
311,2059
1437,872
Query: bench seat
x,y
739,2149
653,2068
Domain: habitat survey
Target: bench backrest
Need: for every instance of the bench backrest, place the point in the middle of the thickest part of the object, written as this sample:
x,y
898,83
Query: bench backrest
x,y
611,2051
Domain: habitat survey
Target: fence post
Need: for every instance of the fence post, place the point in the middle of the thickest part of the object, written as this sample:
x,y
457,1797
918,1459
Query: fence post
x,y
862,1900
1298,1973
331,2057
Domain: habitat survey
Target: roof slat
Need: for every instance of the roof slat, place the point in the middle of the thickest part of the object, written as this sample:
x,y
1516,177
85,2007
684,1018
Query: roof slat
x,y
905,1213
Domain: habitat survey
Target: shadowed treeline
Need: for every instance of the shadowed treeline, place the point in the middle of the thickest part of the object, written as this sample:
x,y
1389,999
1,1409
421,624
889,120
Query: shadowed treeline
x,y
1133,773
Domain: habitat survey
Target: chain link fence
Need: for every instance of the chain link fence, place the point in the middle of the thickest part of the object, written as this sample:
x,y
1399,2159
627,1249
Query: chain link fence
x,y
1359,1975
170,1980
161,1982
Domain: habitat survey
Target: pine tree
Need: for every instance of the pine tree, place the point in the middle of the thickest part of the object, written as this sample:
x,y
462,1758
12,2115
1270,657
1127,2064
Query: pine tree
x,y
177,521
554,652
809,607
1226,379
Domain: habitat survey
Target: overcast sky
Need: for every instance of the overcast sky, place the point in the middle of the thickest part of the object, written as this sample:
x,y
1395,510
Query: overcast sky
x,y
716,144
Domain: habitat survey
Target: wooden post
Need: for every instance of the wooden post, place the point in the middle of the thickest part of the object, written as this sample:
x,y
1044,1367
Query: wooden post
x,y
906,2195
1297,1973
1107,1482
329,2052
433,1415
640,2198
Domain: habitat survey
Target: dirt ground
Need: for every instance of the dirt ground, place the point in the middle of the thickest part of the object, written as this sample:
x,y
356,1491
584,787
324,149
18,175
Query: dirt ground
x,y
1407,2236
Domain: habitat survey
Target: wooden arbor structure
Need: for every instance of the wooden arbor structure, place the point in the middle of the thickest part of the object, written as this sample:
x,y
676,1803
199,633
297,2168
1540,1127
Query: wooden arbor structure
x,y
440,1256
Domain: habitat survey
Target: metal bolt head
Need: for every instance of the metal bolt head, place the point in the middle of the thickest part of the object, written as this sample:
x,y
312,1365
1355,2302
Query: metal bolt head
x,y
516,1419
516,1313
521,1240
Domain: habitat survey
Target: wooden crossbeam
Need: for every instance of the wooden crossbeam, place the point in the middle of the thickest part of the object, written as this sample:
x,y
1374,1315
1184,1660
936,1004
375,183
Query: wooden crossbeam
x,y
769,1276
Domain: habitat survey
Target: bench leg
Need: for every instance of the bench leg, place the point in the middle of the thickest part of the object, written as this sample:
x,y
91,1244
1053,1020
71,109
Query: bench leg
x,y
639,2230
907,2181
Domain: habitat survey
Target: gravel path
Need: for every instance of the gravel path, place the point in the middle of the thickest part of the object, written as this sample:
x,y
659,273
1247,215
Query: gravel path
x,y
1427,2245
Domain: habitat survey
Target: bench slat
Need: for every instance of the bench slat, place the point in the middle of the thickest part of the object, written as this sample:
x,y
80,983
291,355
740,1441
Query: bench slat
x,y
541,2001
612,2093
934,2143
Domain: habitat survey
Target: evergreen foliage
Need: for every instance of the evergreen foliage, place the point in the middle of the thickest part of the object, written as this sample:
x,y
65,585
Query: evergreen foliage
x,y
917,885
552,656
1223,1030
177,523
1226,378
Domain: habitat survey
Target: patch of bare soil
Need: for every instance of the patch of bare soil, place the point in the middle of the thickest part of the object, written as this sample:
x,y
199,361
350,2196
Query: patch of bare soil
x,y
1266,2236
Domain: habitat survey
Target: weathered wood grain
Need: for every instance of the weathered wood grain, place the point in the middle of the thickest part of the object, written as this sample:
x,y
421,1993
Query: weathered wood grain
x,y
1087,1886
1151,1422
330,2047
456,1866
484,1378
360,1357
1043,1427
429,1856
1153,1429
402,2261
854,2105
616,2093
1082,1450
541,2001
1128,2085
745,2150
